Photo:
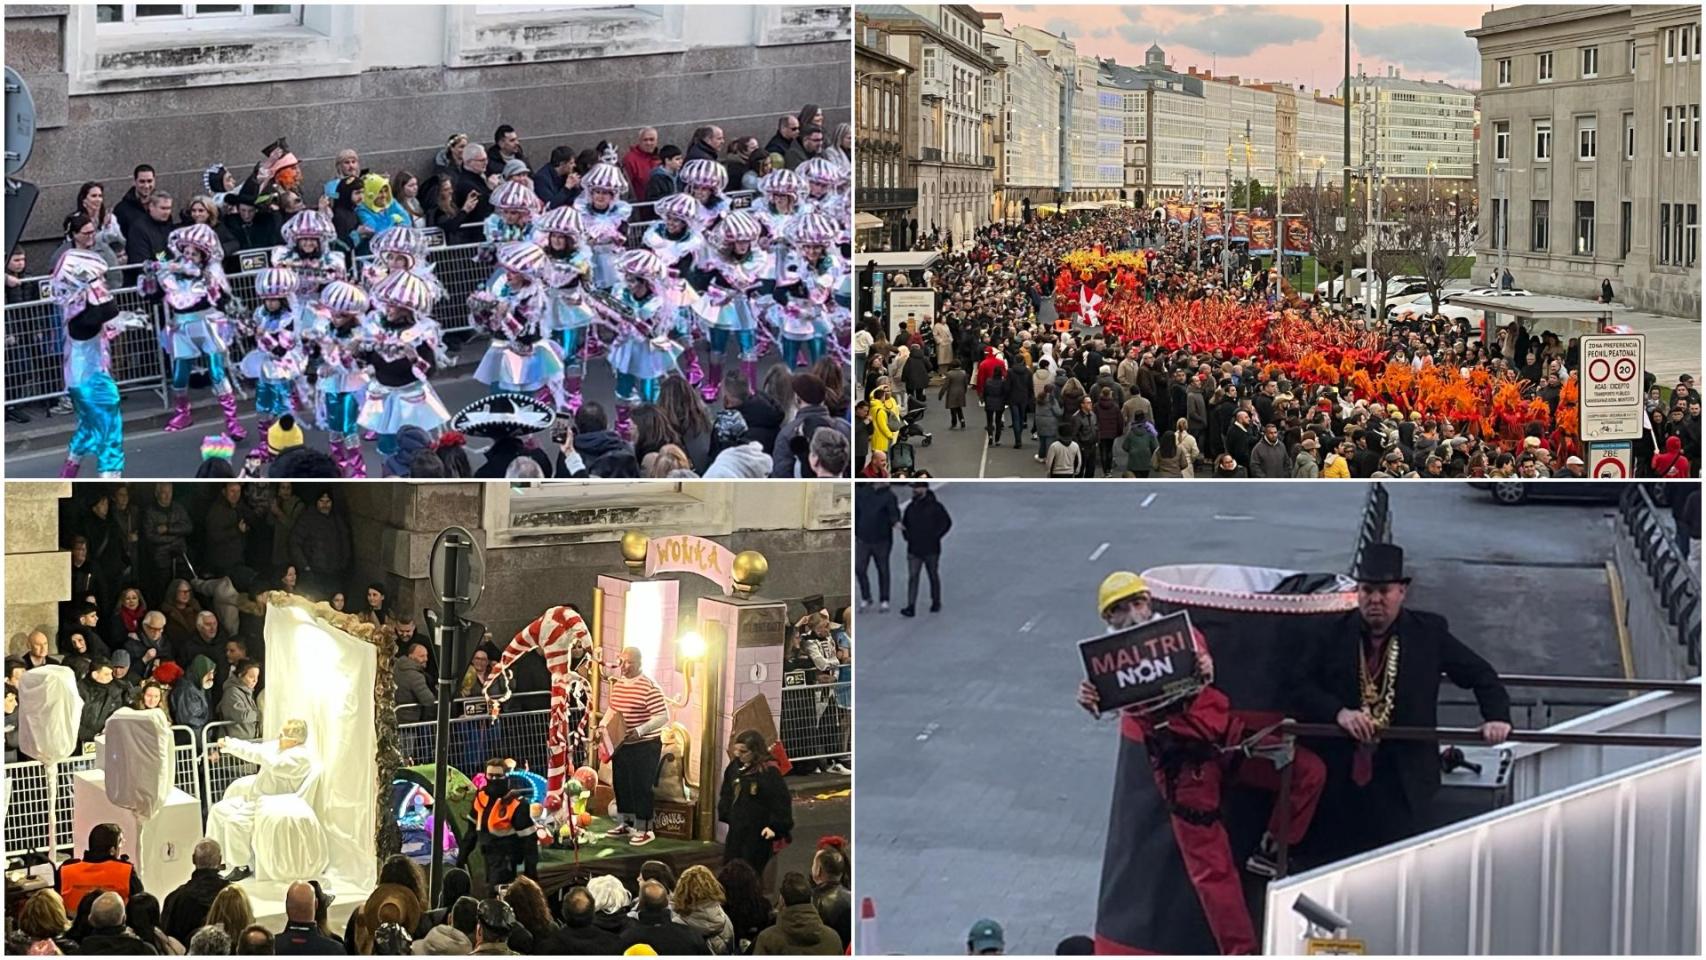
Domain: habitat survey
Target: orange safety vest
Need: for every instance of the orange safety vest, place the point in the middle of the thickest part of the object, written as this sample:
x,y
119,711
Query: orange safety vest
x,y
80,878
501,823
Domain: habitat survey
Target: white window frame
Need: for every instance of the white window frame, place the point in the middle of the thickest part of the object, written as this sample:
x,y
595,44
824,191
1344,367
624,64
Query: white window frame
x,y
1631,48
1691,234
191,19
1588,239
101,58
1684,36
1502,72
1694,129
563,510
1670,44
1587,139
1590,53
474,37
1696,29
1670,130
1628,136
1501,141
1543,67
1543,140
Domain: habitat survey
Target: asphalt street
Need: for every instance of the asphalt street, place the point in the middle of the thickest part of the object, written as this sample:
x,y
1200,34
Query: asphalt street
x,y
37,449
1672,348
984,789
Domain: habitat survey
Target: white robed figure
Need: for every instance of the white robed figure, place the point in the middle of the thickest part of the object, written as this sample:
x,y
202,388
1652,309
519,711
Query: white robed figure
x,y
281,793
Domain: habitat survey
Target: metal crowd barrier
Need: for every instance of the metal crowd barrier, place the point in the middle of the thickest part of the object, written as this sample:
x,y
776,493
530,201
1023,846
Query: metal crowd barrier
x,y
26,797
1666,602
475,739
34,332
817,720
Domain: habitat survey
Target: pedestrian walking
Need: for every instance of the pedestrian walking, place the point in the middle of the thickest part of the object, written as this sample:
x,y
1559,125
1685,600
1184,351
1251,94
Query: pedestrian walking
x,y
924,523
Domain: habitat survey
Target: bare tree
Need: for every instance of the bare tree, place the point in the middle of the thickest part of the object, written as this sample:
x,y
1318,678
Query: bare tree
x,y
1424,233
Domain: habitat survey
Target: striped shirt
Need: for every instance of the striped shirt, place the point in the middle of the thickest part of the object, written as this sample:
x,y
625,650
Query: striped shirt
x,y
639,701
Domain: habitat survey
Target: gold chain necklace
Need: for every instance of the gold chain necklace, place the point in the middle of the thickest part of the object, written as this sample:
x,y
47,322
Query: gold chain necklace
x,y
1378,702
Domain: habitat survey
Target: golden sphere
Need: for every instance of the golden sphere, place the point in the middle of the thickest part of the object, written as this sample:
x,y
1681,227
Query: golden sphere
x,y
634,546
750,569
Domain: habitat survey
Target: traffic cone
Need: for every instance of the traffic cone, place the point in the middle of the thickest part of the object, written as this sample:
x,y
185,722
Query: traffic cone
x,y
867,942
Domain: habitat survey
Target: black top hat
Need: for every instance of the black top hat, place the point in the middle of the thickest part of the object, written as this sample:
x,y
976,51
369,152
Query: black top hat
x,y
1381,563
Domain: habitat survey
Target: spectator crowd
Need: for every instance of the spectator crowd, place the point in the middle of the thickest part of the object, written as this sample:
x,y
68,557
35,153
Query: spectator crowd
x,y
1183,374
710,426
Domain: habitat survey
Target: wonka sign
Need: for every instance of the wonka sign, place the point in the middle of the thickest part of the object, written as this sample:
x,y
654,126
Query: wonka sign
x,y
1151,662
687,554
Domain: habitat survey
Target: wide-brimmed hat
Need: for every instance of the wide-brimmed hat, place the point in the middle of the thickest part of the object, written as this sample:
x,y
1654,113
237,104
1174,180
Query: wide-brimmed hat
x,y
1380,563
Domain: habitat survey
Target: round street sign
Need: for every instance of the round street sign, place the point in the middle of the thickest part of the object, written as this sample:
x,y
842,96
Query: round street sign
x,y
1610,468
1598,370
1625,369
471,573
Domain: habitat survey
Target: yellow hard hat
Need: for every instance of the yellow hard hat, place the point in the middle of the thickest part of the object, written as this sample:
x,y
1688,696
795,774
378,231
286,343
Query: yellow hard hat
x,y
1118,586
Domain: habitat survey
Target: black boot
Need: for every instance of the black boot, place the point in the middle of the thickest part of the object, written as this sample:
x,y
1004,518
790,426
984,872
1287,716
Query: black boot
x,y
241,873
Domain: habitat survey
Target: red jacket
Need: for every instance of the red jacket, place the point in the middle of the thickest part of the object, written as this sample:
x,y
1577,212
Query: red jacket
x,y
1671,463
638,165
987,367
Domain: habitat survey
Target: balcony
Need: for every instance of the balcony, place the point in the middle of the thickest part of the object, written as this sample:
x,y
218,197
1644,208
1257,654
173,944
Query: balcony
x,y
934,88
885,198
930,154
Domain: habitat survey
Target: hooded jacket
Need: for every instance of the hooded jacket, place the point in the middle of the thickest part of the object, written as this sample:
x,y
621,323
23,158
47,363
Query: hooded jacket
x,y
606,455
746,461
190,703
1671,463
237,706
415,700
798,931
709,921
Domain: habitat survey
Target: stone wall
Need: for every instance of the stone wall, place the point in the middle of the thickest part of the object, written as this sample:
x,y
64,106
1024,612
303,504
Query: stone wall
x,y
395,524
399,117
38,572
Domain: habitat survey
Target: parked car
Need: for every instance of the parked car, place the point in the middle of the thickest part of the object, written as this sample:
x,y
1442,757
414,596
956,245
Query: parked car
x,y
1335,288
1514,492
1422,305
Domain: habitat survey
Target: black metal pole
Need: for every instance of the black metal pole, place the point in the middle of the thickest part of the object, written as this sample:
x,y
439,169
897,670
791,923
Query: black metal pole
x,y
449,628
1345,200
1470,735
1598,683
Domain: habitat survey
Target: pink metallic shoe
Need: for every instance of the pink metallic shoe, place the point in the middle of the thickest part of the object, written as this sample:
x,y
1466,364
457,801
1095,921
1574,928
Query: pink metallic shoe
x,y
184,415
70,468
233,426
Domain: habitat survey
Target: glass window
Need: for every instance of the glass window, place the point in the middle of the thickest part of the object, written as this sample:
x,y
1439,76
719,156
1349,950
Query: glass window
x,y
1676,233
1543,67
1670,45
1540,240
1628,136
1684,35
1670,131
1542,140
1626,234
1502,140
1694,128
1631,56
196,15
1692,239
1504,72
1590,61
1664,233
1587,138
1584,228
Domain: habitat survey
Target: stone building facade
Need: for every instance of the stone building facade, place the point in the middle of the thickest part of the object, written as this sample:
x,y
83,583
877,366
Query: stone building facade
x,y
1590,150
394,82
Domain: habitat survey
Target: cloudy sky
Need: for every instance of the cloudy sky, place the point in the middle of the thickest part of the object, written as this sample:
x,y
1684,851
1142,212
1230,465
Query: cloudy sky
x,y
1296,44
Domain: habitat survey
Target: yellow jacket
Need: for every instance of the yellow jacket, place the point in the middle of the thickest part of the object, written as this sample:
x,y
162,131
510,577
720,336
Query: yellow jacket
x,y
885,421
1336,468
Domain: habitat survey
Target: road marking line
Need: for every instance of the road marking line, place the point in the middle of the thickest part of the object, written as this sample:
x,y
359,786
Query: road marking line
x,y
983,461
927,731
1099,551
1147,501
1232,516
1031,624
